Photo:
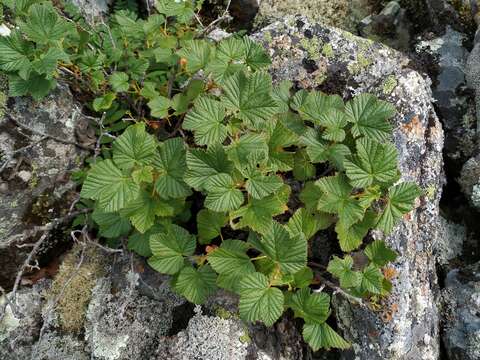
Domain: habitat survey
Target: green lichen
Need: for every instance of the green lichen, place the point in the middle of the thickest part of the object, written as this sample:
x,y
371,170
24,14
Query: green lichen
x,y
245,338
361,63
320,78
327,50
430,192
311,47
223,313
267,36
3,103
389,84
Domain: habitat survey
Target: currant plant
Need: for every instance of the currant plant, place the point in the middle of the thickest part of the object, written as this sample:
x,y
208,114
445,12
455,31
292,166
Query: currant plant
x,y
224,179
246,136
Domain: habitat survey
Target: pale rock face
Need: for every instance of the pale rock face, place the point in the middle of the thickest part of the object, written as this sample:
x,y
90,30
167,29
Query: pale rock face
x,y
316,56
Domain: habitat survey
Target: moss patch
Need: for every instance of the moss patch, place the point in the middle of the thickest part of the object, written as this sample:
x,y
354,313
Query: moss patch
x,y
77,293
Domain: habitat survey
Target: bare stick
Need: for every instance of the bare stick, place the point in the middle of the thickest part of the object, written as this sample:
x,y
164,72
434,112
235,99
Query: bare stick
x,y
337,289
225,17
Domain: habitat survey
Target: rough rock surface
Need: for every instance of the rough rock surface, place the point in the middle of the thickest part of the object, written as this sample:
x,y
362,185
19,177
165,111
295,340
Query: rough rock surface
x,y
461,335
469,180
345,14
325,58
454,104
473,72
450,241
35,184
92,9
132,314
391,26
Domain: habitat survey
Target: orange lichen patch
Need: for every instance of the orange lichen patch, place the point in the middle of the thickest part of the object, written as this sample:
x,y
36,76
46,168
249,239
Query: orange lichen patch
x,y
389,273
388,314
414,128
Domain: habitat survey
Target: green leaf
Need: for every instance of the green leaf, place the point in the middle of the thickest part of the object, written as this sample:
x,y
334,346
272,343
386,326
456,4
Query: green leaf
x,y
342,269
159,106
107,184
140,243
222,194
36,85
249,97
196,284
231,258
170,162
310,195
134,147
14,53
379,253
197,53
281,137
206,121
290,253
372,279
313,308
400,200
142,211
260,186
370,117
111,224
351,237
241,150
303,169
373,163
257,214
334,121
303,277
104,102
143,175
255,56
307,224
336,198
313,104
281,94
317,148
169,248
259,301
119,82
44,26
209,225
323,336
229,59
204,164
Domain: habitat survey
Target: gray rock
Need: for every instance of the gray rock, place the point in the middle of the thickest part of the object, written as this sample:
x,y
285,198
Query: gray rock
x,y
391,26
461,335
454,104
345,14
470,180
325,58
35,183
452,58
473,75
450,241
55,346
92,9
207,337
121,322
19,330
